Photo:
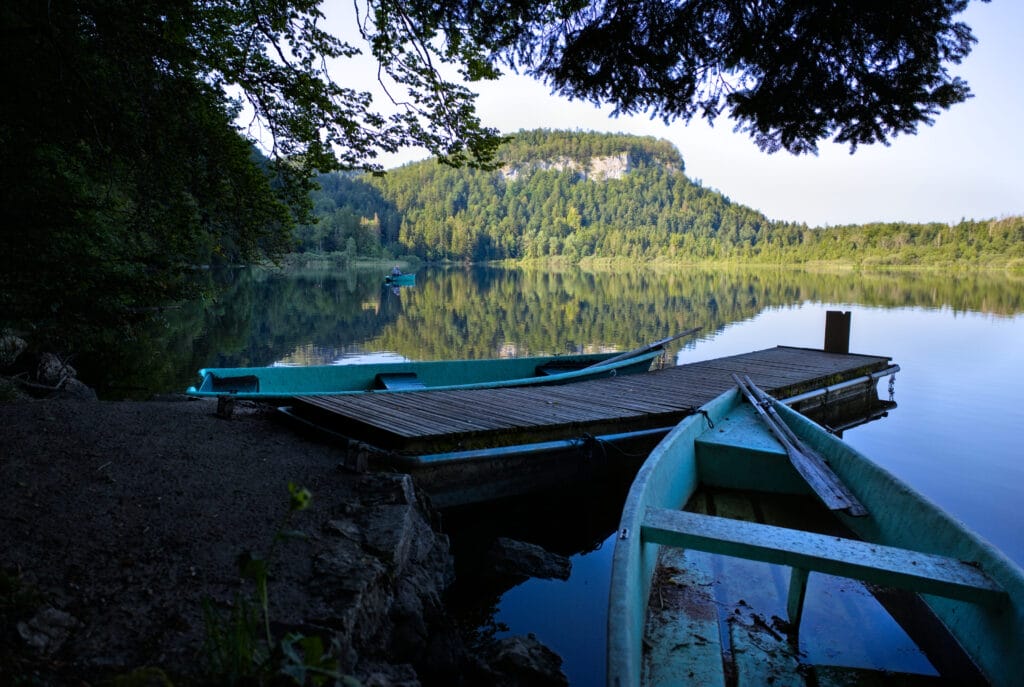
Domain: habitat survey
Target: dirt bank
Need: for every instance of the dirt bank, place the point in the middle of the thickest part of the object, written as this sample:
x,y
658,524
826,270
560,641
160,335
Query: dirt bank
x,y
118,519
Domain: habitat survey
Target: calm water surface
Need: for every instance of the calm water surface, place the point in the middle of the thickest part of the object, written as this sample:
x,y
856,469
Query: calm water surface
x,y
954,435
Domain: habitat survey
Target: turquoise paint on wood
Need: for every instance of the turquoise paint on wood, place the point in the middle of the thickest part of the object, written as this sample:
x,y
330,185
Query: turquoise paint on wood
x,y
870,562
993,638
663,480
283,382
904,525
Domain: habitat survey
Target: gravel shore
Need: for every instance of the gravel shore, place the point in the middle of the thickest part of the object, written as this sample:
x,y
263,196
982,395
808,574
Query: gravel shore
x,y
119,519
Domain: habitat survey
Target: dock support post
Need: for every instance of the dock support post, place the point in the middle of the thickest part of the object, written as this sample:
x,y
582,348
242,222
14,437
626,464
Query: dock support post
x,y
837,331
225,407
797,592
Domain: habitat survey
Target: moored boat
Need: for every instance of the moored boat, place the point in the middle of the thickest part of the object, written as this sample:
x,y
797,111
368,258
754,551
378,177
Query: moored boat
x,y
722,529
400,279
282,382
278,383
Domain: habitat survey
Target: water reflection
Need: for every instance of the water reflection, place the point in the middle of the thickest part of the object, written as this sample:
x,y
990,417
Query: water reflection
x,y
311,317
576,521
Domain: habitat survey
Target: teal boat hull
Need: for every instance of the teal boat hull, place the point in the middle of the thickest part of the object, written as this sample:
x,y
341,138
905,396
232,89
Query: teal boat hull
x,y
671,619
278,383
400,280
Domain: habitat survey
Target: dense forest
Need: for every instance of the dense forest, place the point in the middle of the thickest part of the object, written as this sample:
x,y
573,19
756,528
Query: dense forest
x,y
129,168
580,196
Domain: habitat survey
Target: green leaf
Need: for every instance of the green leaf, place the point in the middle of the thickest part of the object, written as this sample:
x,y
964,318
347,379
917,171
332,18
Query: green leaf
x,y
300,497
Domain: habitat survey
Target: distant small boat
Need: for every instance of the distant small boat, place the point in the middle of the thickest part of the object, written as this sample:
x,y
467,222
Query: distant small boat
x,y
721,529
400,279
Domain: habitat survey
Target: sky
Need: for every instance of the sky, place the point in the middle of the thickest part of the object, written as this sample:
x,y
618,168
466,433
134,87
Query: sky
x,y
967,165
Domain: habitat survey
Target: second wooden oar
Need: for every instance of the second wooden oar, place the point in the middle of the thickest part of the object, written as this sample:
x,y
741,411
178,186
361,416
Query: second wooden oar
x,y
661,343
811,466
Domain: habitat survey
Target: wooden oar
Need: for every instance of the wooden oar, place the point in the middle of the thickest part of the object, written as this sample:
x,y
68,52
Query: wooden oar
x,y
765,402
811,466
644,349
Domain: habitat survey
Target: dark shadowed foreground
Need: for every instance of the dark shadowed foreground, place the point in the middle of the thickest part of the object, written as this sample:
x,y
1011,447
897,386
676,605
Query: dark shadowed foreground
x,y
117,521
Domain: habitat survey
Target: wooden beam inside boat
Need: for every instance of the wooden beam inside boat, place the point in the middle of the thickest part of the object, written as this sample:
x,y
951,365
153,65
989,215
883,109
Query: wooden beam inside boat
x,y
886,565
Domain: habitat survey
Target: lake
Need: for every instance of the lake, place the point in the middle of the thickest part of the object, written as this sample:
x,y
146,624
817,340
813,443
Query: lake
x,y
953,435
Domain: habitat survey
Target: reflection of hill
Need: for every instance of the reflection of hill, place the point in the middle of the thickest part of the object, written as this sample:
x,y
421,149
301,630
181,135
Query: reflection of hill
x,y
316,317
477,313
330,309
256,318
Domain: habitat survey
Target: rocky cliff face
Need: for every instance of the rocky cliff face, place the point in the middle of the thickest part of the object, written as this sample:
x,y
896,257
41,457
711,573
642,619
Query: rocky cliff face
x,y
598,168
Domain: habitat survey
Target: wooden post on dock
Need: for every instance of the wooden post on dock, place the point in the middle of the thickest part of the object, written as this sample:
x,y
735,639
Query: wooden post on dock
x,y
837,331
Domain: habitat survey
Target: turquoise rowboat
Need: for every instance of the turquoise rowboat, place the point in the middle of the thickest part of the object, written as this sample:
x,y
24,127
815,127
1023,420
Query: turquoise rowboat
x,y
712,578
277,383
273,384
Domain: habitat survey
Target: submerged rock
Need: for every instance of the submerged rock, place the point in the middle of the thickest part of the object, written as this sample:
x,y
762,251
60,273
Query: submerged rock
x,y
513,558
523,660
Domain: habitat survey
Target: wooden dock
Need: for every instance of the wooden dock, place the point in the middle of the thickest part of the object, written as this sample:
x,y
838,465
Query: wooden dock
x,y
426,422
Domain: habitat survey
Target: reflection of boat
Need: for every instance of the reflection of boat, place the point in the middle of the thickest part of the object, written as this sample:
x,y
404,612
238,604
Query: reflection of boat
x,y
719,534
277,383
400,279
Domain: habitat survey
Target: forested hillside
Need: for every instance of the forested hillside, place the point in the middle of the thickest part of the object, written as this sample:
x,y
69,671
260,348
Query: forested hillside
x,y
579,195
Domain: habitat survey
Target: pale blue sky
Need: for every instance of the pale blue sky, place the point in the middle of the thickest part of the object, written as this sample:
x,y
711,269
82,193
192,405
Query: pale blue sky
x,y
967,165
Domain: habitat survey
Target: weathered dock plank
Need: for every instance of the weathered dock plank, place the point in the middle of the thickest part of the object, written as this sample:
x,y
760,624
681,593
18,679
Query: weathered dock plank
x,y
438,421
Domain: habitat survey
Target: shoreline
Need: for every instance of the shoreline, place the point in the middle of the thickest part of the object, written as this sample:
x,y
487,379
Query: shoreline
x,y
121,519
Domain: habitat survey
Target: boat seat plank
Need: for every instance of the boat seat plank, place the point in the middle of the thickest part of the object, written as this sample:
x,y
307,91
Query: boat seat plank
x,y
395,381
554,368
886,565
240,384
